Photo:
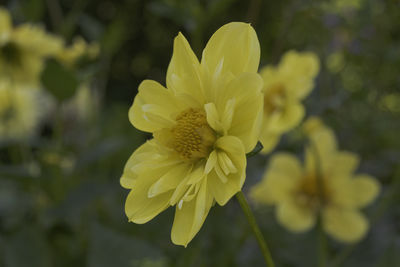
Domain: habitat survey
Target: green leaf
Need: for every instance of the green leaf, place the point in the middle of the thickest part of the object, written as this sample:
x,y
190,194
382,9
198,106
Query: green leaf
x,y
256,150
59,80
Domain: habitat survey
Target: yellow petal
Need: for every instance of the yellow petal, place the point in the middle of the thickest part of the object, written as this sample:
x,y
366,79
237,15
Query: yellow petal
x,y
139,208
36,41
183,75
285,164
285,119
365,189
223,191
269,140
295,217
248,108
344,163
154,107
190,217
236,45
322,150
170,180
226,163
279,181
213,118
211,161
143,152
347,226
301,69
5,25
312,125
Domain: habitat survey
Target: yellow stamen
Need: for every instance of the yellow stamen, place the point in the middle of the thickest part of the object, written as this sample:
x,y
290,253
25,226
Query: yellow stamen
x,y
191,137
274,98
313,194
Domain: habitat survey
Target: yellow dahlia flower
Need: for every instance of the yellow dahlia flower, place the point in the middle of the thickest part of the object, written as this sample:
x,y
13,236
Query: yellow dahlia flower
x,y
79,48
23,50
20,112
326,184
284,88
203,123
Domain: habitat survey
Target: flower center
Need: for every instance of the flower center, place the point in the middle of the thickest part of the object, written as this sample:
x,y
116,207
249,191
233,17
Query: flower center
x,y
11,54
312,192
191,137
274,98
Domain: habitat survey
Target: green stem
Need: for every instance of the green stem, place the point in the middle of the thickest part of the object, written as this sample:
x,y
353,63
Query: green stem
x,y
256,230
321,244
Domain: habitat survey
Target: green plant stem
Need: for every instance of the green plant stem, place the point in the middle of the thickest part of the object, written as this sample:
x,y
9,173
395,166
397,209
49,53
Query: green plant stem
x,y
321,244
256,230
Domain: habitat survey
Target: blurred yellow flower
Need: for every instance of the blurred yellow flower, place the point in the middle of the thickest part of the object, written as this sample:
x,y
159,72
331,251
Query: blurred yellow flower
x,y
83,106
326,183
20,112
203,124
23,50
284,88
79,48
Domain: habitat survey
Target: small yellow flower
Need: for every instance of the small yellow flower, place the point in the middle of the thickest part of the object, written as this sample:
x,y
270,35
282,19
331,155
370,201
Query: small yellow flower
x,y
79,48
203,124
284,88
20,112
23,50
326,183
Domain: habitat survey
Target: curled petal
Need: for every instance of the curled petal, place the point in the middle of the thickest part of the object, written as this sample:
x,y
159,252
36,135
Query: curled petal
x,y
223,186
154,107
190,216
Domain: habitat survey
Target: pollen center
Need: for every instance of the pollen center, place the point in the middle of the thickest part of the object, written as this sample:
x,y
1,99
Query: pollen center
x,y
10,53
191,137
312,192
274,98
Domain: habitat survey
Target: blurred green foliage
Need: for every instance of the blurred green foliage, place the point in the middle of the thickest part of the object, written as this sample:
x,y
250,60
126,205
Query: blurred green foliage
x,y
60,199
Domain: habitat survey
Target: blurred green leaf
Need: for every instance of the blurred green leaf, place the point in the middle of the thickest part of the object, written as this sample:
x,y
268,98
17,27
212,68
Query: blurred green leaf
x,y
59,80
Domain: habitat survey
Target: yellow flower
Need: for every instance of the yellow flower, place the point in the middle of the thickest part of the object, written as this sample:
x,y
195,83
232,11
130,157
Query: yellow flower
x,y
326,183
23,50
79,48
284,88
203,124
20,112
83,105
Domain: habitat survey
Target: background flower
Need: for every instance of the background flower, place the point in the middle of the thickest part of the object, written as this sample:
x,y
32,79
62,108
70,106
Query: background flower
x,y
23,50
325,185
284,88
21,110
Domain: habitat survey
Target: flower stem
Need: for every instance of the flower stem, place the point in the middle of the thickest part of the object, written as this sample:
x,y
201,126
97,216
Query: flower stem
x,y
256,230
321,245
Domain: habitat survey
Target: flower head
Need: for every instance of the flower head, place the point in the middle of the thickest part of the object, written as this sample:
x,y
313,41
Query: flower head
x,y
326,184
79,49
203,123
20,111
284,88
23,50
